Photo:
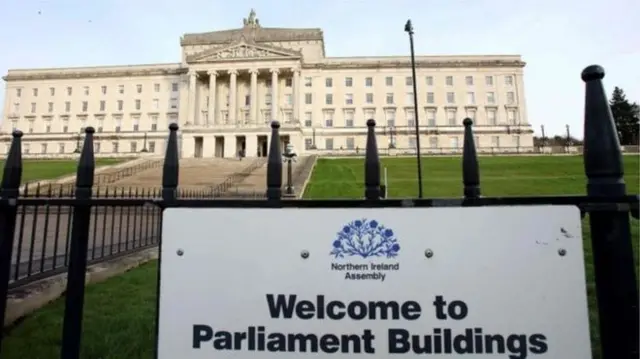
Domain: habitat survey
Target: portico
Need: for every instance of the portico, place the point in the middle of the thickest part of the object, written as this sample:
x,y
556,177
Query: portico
x,y
229,144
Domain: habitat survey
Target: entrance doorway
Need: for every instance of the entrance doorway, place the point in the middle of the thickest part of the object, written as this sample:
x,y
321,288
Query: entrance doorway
x,y
241,145
263,145
284,141
219,151
198,143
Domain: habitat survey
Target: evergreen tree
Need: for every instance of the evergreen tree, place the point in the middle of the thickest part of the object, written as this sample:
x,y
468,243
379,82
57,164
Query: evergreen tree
x,y
626,116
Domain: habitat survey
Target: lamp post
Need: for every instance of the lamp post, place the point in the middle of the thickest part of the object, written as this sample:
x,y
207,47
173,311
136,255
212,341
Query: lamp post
x,y
144,143
289,157
78,138
408,27
568,144
392,140
544,137
313,141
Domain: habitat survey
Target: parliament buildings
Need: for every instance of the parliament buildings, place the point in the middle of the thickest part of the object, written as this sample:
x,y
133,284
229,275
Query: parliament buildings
x,y
230,84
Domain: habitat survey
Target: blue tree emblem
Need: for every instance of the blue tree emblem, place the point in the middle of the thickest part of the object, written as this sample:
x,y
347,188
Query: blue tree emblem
x,y
365,239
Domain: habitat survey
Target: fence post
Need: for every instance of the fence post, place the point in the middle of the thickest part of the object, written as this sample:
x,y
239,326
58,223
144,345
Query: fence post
x,y
616,285
274,164
10,191
171,167
74,298
470,167
371,164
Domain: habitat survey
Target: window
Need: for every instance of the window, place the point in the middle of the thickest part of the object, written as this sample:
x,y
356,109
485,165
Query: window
x,y
308,121
454,142
85,89
139,88
408,81
451,118
491,98
348,99
156,87
431,97
433,142
328,143
328,99
471,113
16,107
368,81
120,105
328,119
328,82
35,92
52,91
96,147
288,99
511,98
408,99
85,106
451,98
27,148
308,82
429,80
288,82
173,119
61,148
411,118
152,146
449,80
267,116
412,142
495,141
488,80
308,99
388,81
103,106
83,123
508,80
348,81
369,98
103,89
348,118
118,123
65,124
121,89
267,99
511,117
389,99
174,87
138,104
469,80
50,107
136,123
18,92
100,124
390,116
154,123
69,91
308,143
155,104
173,103
471,98
114,146
491,117
431,117
33,107
350,142
133,146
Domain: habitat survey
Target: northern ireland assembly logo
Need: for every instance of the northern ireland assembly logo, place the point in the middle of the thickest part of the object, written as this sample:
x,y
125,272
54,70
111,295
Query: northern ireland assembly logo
x,y
365,250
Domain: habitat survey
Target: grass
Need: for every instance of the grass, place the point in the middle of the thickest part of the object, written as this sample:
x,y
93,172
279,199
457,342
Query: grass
x,y
119,313
35,170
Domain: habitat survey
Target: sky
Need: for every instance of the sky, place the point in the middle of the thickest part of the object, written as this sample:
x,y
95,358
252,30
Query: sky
x,y
556,38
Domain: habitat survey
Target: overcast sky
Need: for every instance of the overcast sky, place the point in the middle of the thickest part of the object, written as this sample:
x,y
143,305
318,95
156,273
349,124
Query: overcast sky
x,y
556,38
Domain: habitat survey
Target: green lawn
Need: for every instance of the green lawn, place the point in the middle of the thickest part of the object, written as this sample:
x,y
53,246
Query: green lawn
x,y
35,170
119,313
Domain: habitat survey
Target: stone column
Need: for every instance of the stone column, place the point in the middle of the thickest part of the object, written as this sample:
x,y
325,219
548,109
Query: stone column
x,y
191,117
211,109
233,91
254,96
296,94
274,94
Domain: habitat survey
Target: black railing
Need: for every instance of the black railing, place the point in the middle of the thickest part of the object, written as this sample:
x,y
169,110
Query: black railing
x,y
606,203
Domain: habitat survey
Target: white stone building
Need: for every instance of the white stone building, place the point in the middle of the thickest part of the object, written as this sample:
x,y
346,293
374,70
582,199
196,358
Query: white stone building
x,y
230,84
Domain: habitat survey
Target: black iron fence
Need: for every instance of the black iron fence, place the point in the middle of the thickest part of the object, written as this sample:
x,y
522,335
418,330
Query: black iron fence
x,y
607,204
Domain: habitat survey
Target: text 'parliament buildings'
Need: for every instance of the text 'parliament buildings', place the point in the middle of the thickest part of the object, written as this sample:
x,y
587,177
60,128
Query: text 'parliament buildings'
x,y
230,84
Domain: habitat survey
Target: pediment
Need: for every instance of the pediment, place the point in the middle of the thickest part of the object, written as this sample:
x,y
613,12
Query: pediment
x,y
243,51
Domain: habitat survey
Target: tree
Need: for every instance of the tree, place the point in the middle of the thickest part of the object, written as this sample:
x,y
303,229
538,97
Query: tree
x,y
626,116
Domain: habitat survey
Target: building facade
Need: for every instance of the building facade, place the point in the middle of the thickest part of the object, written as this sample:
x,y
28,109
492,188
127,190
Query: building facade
x,y
229,85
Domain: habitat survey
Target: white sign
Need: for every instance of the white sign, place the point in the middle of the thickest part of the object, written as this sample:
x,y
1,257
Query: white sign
x,y
492,282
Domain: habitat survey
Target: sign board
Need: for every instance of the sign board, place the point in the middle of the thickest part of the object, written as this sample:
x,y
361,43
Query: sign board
x,y
491,282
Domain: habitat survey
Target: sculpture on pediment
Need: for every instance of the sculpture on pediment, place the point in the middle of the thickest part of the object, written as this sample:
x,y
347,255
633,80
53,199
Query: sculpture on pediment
x,y
251,21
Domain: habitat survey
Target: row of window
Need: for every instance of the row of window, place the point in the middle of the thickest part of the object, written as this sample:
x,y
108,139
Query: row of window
x,y
117,124
390,99
102,106
408,81
103,89
433,142
63,148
